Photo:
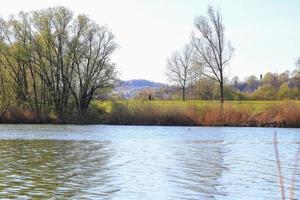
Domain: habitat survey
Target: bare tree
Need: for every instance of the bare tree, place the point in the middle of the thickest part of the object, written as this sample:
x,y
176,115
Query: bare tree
x,y
90,52
180,68
211,48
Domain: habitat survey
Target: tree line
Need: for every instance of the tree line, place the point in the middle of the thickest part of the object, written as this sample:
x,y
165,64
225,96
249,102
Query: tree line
x,y
270,86
207,54
53,62
199,68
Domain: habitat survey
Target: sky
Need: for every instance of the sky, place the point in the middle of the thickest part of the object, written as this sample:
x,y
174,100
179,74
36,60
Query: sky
x,y
265,34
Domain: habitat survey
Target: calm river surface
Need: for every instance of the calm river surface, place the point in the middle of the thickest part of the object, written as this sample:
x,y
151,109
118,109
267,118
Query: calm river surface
x,y
142,162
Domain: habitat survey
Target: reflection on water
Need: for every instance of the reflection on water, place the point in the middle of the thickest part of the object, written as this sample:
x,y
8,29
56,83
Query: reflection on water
x,y
126,162
47,168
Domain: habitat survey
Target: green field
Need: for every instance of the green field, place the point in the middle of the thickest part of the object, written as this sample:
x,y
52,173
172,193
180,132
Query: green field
x,y
255,106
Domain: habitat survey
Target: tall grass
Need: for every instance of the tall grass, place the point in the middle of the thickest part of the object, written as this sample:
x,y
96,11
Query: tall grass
x,y
280,114
285,114
149,114
22,115
16,115
190,113
226,116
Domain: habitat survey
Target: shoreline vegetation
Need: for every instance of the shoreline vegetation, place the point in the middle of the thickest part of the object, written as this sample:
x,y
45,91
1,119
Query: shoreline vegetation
x,y
173,113
54,64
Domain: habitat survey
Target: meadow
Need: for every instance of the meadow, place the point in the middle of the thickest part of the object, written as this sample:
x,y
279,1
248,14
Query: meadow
x,y
202,113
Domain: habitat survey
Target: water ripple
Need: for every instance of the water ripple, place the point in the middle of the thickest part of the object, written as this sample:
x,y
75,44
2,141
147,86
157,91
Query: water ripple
x,y
112,162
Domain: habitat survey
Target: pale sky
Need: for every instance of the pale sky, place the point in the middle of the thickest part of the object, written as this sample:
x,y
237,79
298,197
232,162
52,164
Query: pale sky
x,y
264,33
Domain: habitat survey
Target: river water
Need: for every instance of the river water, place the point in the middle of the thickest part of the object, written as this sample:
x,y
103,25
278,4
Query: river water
x,y
144,162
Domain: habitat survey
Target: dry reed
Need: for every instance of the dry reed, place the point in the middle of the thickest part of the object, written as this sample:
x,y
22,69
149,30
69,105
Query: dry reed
x,y
286,114
279,171
147,114
278,165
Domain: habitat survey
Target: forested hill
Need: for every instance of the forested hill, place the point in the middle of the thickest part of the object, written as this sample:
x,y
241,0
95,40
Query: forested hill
x,y
131,87
141,83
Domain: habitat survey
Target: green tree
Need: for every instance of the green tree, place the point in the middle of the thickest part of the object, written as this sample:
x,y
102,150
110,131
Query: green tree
x,y
283,77
284,91
54,61
265,92
6,94
90,57
252,83
271,78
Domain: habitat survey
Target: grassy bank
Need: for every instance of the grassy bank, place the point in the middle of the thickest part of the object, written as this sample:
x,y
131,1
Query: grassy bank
x,y
203,113
173,113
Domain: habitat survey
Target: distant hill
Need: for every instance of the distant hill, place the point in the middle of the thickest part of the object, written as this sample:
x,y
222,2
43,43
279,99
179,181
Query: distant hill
x,y
141,83
130,88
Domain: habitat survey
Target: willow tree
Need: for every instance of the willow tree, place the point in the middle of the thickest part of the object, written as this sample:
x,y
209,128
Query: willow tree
x,y
51,33
6,93
211,47
91,48
55,60
74,57
11,60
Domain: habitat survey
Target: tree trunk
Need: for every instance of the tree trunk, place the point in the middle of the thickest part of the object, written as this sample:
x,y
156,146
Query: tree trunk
x,y
221,88
222,96
222,92
183,94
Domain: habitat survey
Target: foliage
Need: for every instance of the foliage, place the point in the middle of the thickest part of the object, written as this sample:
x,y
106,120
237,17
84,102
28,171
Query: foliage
x,y
53,61
6,95
270,79
265,92
286,92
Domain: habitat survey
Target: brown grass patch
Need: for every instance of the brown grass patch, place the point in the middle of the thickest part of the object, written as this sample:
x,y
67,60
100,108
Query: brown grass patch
x,y
282,114
16,115
148,114
285,114
226,116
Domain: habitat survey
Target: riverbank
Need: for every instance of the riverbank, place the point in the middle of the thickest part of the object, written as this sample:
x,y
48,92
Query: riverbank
x,y
205,113
174,113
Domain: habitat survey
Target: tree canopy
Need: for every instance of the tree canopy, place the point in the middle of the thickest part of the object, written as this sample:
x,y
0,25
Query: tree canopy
x,y
53,60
